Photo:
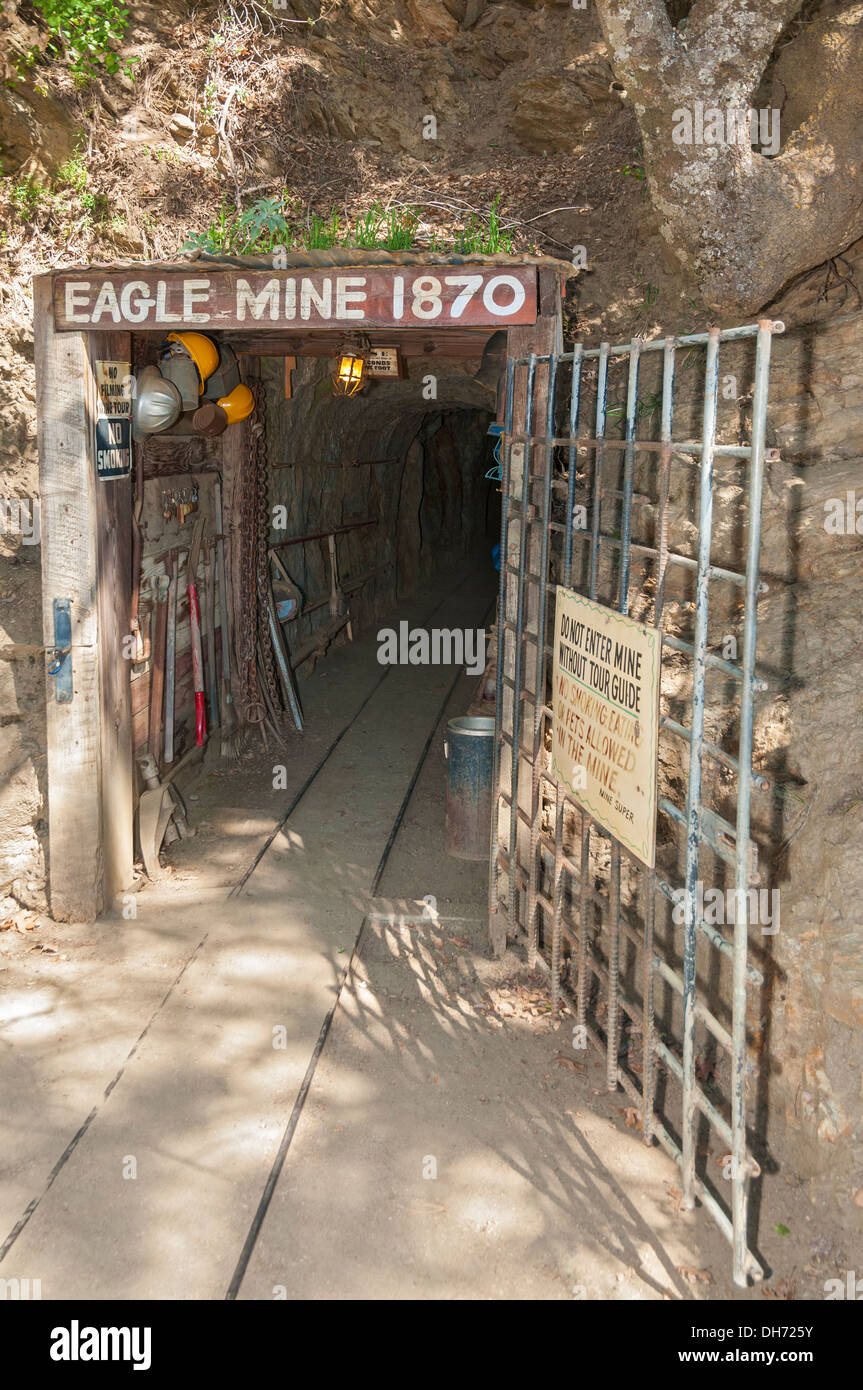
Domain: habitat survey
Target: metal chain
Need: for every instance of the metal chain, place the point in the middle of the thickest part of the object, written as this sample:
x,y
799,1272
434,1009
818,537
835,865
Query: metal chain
x,y
250,700
260,470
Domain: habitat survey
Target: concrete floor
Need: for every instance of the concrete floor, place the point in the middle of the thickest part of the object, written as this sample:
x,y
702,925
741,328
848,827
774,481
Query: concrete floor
x,y
449,1145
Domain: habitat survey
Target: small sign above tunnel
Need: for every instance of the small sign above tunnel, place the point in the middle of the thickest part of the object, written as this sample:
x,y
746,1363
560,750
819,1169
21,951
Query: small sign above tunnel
x,y
354,297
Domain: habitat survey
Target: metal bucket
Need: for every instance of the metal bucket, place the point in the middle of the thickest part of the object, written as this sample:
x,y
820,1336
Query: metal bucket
x,y
469,751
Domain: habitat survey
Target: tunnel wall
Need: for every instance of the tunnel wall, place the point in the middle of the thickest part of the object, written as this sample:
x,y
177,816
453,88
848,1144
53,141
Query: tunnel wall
x,y
412,466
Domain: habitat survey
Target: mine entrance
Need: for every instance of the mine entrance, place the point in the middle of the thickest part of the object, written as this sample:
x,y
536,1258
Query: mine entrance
x,y
313,512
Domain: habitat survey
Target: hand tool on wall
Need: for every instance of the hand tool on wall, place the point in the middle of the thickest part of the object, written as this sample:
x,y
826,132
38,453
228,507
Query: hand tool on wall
x,y
338,603
195,625
210,635
288,599
173,567
286,675
161,584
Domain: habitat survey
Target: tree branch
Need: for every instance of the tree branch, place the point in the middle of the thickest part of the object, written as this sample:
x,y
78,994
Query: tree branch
x,y
730,42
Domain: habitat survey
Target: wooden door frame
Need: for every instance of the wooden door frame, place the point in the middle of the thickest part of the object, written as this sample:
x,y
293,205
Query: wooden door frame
x,y
86,558
85,530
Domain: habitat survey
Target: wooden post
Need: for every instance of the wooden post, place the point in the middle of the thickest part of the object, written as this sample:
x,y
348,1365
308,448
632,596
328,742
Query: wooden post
x,y
113,523
69,570
85,558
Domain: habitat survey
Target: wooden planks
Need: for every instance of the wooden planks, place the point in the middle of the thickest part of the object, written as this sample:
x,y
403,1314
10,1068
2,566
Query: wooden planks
x,y
64,390
351,298
448,342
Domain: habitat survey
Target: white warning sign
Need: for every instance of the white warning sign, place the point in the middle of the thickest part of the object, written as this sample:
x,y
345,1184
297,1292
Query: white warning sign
x,y
606,717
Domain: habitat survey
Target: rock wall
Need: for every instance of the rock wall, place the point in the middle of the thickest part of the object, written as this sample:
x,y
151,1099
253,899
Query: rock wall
x,y
412,467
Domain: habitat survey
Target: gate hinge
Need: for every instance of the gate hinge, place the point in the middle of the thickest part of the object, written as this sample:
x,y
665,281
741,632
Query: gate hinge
x,y
62,652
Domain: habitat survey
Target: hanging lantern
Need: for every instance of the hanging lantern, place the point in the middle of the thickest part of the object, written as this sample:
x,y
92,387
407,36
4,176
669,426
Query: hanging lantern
x,y
351,368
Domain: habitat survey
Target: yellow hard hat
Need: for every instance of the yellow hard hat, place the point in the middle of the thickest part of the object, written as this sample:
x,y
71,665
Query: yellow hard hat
x,y
238,405
202,350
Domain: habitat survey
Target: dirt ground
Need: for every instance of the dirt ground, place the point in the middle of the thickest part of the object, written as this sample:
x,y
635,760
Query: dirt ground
x,y
451,1145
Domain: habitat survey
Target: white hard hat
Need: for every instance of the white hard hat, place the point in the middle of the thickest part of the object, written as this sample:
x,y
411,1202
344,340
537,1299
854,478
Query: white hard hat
x,y
156,403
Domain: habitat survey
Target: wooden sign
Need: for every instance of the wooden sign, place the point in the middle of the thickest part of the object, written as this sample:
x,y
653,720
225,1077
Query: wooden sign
x,y
350,297
606,718
383,361
112,427
113,447
114,387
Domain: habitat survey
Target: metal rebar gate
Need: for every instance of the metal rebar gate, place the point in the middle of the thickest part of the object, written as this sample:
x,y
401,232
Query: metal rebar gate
x,y
556,875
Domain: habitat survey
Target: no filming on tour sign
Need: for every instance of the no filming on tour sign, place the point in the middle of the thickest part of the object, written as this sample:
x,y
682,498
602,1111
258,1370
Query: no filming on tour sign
x,y
606,717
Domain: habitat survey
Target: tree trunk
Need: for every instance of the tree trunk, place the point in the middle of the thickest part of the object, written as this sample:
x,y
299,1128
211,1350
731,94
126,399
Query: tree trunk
x,y
744,222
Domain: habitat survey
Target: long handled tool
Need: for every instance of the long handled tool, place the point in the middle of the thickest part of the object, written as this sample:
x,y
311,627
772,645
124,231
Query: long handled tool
x,y
173,566
161,583
210,635
195,624
286,675
338,602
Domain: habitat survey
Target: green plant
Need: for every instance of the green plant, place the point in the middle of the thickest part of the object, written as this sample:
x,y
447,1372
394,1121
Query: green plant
x,y
401,228
72,174
208,105
322,232
259,228
27,196
644,409
263,226
85,31
367,228
95,207
485,238
218,237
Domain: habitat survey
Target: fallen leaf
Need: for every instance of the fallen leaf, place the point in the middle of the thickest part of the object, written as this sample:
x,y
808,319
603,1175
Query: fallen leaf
x,y
784,1289
695,1276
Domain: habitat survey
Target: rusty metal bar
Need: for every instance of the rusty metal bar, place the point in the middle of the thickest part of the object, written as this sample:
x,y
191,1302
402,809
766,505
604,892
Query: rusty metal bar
x,y
501,636
740,1168
322,535
539,678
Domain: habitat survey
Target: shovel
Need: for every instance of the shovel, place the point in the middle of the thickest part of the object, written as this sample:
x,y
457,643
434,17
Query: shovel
x,y
210,635
158,807
171,654
157,678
